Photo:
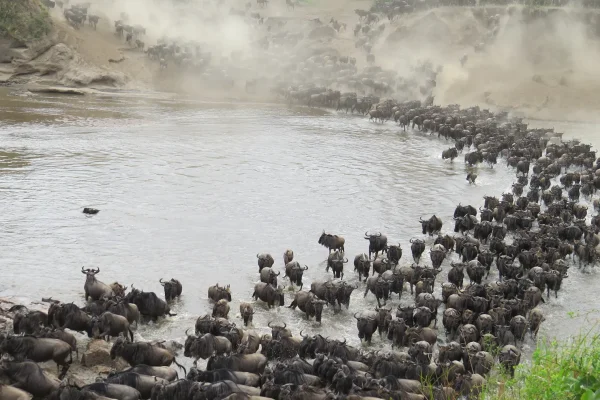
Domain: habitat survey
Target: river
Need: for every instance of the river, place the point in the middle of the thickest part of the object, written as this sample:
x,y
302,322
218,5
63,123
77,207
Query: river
x,y
194,190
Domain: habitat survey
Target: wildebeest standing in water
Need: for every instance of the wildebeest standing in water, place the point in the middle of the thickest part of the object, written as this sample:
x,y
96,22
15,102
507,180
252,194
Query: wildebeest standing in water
x,y
432,225
332,242
109,324
247,313
94,288
288,256
377,243
173,288
265,261
149,304
216,293
269,294
150,354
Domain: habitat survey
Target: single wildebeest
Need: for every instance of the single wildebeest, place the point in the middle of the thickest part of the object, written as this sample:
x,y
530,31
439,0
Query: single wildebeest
x,y
60,334
149,304
39,350
30,377
206,346
241,378
336,261
450,153
362,265
431,226
93,20
267,275
28,321
288,256
93,287
12,393
509,358
264,260
142,383
535,319
216,293
394,254
109,324
380,287
366,324
269,294
68,316
461,211
118,289
172,288
253,363
166,373
124,309
377,243
417,248
221,309
397,332
437,256
145,353
113,390
308,303
294,271
247,313
332,242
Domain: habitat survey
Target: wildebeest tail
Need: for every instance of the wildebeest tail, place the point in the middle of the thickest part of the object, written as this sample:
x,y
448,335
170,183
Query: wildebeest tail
x,y
180,366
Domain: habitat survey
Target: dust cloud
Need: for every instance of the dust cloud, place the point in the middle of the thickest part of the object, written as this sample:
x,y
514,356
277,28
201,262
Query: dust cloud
x,y
538,61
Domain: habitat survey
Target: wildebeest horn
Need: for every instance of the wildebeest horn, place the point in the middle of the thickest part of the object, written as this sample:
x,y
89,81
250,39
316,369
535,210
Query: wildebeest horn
x,y
356,286
345,340
257,255
82,271
302,334
420,219
186,332
378,234
269,324
284,325
355,315
411,240
161,282
306,267
97,270
278,273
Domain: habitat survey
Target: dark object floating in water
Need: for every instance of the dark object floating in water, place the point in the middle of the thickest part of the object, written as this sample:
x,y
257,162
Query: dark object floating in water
x,y
91,211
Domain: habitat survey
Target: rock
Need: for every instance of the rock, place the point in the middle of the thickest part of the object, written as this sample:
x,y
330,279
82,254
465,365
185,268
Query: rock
x,y
97,353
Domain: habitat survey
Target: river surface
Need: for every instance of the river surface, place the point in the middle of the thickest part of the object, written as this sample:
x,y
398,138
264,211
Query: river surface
x,y
194,190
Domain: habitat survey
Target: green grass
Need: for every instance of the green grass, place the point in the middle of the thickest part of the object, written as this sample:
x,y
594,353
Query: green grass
x,y
24,20
567,370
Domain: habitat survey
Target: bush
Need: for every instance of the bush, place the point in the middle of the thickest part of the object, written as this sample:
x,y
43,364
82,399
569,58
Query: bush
x,y
24,20
558,370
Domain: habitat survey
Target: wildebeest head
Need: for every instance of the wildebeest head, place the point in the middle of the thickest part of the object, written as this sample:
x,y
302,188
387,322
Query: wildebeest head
x,y
317,305
278,332
90,273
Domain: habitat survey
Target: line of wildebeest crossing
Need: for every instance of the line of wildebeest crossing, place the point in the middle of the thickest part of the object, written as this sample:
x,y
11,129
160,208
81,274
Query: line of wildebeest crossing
x,y
528,237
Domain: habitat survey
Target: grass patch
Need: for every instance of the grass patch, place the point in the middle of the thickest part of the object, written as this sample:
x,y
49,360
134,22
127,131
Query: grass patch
x,y
24,20
566,370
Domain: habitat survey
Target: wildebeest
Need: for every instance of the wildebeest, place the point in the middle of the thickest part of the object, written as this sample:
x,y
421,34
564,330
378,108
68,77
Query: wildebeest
x,y
172,288
269,294
93,20
366,324
206,346
60,334
166,373
394,254
39,350
336,262
113,390
93,287
265,260
143,353
253,363
288,256
149,304
221,309
362,265
216,293
28,321
109,324
431,226
309,303
294,271
30,377
241,378
377,243
140,382
417,248
267,275
68,316
332,242
247,313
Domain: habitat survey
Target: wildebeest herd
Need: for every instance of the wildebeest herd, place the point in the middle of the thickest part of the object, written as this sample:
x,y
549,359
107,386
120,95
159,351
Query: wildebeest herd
x,y
528,237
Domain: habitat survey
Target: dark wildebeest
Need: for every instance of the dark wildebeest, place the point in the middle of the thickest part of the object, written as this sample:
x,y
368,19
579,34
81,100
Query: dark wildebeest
x,y
265,260
336,262
294,271
394,254
269,294
93,20
109,324
172,288
247,313
253,363
216,293
39,350
362,265
68,316
30,377
28,321
60,334
417,247
150,354
206,346
149,304
288,256
221,309
93,287
377,243
112,390
431,226
366,324
332,242
308,303
142,383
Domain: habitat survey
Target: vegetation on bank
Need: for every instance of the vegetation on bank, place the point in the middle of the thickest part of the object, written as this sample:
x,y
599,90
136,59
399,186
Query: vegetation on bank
x,y
566,370
24,20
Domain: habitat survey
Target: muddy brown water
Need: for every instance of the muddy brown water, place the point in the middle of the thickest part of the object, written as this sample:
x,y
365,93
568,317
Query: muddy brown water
x,y
194,190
